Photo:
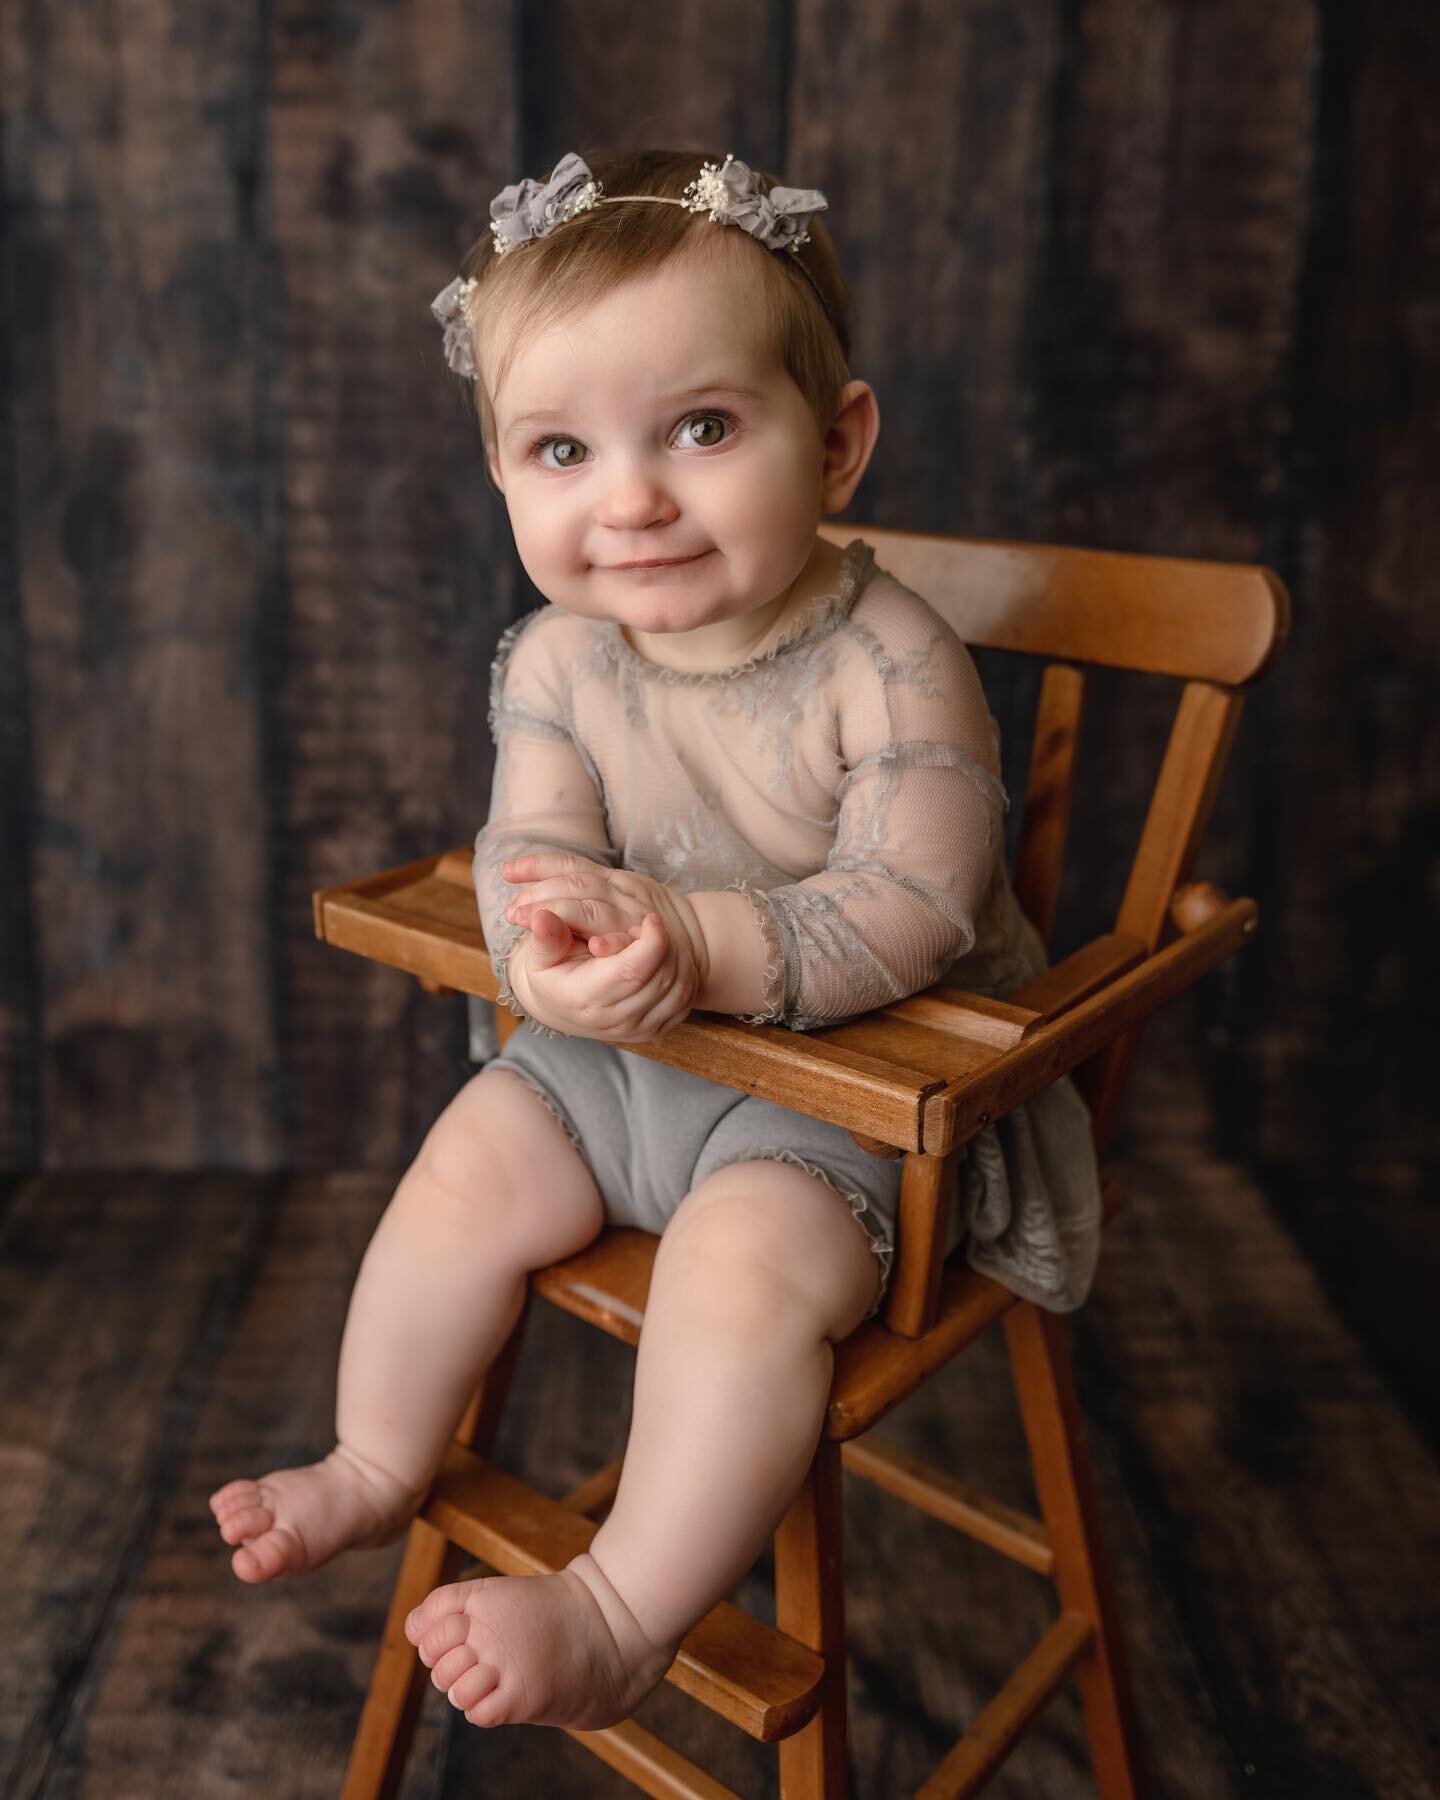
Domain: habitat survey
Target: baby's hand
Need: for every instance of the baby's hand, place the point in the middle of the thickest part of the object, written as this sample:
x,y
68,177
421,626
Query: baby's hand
x,y
628,996
603,907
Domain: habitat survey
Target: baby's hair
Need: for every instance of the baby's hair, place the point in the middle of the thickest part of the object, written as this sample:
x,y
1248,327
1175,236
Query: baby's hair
x,y
552,278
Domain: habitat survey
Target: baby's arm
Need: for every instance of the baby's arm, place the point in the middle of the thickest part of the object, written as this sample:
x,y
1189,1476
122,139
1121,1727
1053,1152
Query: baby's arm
x,y
918,844
740,951
543,797
916,849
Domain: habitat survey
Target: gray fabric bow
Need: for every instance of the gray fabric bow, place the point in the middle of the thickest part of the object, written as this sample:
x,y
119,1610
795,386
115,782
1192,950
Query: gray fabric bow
x,y
778,219
448,307
529,208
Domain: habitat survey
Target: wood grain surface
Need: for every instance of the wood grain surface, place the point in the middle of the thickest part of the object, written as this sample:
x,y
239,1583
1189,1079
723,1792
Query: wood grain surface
x,y
397,567
137,578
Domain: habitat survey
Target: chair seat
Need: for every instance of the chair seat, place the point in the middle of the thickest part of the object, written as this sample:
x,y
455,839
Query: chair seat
x,y
608,1283
741,1668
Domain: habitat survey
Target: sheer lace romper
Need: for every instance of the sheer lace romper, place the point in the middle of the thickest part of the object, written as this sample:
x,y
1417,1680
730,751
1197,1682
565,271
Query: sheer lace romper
x,y
846,779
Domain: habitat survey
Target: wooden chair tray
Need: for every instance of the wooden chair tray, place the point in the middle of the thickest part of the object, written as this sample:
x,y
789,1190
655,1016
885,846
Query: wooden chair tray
x,y
924,1073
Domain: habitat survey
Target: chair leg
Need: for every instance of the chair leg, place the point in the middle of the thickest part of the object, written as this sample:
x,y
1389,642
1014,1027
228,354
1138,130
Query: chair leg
x,y
1045,1387
810,1607
397,1686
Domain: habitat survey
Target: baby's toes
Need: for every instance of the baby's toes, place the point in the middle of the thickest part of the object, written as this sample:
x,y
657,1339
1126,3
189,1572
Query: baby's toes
x,y
474,1689
233,1492
440,1603
235,1497
449,1634
463,1678
447,1668
271,1554
243,1522
493,1708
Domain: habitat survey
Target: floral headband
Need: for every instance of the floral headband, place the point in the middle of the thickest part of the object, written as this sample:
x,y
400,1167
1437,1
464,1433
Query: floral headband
x,y
730,193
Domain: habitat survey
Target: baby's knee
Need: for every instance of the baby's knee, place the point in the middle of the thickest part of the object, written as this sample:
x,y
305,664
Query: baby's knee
x,y
770,1238
459,1151
715,1277
500,1151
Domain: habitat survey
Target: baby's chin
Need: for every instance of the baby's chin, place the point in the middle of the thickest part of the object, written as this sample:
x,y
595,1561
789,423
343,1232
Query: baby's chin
x,y
655,603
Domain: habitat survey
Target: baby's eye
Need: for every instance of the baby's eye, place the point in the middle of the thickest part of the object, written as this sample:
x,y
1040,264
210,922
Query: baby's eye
x,y
714,423
563,448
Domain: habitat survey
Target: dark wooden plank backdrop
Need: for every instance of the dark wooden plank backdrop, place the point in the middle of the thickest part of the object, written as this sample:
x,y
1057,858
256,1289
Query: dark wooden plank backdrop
x,y
1130,273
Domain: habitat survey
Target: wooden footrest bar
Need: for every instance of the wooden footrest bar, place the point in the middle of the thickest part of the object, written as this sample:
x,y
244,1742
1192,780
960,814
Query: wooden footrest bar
x,y
996,1732
956,1503
655,1767
742,1669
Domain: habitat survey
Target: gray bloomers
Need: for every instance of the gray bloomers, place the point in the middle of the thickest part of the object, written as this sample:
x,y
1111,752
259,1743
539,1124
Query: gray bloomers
x,y
650,1133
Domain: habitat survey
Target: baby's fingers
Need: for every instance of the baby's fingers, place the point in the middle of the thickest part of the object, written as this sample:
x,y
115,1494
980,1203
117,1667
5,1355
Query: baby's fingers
x,y
584,915
631,971
649,949
611,943
665,998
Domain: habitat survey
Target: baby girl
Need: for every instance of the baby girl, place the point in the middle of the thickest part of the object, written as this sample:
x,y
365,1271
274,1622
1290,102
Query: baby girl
x,y
737,769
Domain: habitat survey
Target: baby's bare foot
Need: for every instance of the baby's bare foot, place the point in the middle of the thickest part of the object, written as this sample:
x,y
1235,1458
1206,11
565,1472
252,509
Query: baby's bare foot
x,y
293,1520
558,1649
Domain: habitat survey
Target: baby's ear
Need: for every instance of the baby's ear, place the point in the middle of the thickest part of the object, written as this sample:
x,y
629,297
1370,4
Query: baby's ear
x,y
849,444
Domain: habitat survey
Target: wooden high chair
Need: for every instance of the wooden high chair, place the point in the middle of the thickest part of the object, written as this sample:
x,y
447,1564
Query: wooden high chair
x,y
919,1078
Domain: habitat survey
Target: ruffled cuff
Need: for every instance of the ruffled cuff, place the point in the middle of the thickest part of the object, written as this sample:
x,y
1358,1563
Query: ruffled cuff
x,y
773,990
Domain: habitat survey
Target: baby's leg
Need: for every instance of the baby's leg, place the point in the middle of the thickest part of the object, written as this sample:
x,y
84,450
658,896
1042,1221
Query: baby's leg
x,y
760,1271
496,1190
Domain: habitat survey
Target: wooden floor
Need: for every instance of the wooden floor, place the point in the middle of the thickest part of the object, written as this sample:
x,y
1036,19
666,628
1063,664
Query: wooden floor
x,y
1273,1512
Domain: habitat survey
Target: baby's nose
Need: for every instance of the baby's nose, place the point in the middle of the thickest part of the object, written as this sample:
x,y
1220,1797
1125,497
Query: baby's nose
x,y
635,498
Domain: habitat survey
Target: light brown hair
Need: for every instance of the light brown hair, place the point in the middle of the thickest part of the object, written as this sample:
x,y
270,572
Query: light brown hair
x,y
548,279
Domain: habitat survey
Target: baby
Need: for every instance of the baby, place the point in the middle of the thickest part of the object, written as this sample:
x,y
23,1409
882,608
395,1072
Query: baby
x,y
737,769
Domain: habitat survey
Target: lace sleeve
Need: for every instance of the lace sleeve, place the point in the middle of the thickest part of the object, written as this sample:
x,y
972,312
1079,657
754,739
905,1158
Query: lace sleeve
x,y
546,794
918,839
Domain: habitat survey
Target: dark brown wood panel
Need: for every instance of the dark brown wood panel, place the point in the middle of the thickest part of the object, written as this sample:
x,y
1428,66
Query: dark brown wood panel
x,y
1326,1043
220,1673
1161,332
1179,189
1331,1036
928,127
131,152
682,80
388,132
116,1295
1275,1479
21,1127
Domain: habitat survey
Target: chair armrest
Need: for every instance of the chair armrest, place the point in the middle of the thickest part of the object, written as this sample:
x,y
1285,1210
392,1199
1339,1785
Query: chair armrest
x,y
1081,1028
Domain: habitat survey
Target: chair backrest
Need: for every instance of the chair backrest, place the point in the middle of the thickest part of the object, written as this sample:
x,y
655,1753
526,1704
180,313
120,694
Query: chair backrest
x,y
1215,627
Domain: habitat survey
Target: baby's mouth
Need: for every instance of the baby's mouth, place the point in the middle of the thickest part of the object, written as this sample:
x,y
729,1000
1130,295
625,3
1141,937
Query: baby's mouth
x,y
660,562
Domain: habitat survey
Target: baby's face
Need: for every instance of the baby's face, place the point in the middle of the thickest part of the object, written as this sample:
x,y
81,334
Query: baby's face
x,y
657,428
